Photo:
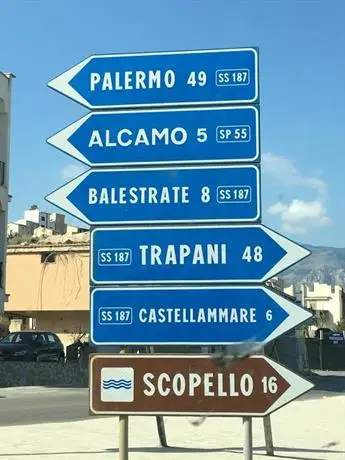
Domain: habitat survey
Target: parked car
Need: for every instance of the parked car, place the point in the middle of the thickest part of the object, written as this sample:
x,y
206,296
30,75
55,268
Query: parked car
x,y
326,332
32,346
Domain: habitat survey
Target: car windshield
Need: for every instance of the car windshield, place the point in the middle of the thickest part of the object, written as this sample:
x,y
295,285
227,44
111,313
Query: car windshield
x,y
20,337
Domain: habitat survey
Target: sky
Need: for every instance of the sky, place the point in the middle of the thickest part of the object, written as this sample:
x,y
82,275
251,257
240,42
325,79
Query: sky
x,y
302,91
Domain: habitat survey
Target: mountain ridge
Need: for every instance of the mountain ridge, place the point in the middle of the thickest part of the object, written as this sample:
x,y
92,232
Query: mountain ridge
x,y
325,265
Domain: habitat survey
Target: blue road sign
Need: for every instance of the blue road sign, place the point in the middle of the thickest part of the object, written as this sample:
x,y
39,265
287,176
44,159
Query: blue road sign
x,y
202,77
151,255
198,315
164,195
193,135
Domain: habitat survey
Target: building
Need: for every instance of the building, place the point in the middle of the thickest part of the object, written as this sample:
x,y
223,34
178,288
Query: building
x,y
16,228
41,223
49,288
5,126
327,301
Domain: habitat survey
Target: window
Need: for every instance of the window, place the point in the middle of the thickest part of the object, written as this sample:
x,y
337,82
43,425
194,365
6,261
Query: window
x,y
48,258
39,338
51,339
2,172
9,339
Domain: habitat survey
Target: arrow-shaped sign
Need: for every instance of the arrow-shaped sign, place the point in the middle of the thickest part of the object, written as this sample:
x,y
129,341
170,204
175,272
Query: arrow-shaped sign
x,y
191,315
238,254
163,79
190,385
194,135
164,195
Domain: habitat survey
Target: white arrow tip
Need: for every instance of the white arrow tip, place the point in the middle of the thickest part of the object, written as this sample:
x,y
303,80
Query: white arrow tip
x,y
60,140
294,253
62,85
295,314
298,386
60,199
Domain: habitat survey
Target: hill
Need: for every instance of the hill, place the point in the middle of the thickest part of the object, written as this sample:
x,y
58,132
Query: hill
x,y
324,265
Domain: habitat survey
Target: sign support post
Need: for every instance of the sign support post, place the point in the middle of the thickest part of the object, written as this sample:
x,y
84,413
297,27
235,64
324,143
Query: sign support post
x,y
268,435
123,437
159,419
248,438
123,430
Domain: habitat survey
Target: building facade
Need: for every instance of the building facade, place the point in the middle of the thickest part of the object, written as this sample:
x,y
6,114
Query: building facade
x,y
5,126
48,288
327,301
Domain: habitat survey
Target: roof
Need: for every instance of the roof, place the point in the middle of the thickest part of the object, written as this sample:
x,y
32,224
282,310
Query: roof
x,y
51,248
34,331
53,243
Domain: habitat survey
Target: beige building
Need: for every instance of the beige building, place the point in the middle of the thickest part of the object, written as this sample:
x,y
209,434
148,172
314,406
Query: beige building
x,y
5,126
48,288
322,298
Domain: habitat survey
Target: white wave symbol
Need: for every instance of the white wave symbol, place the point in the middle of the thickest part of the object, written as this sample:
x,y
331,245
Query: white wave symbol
x,y
117,384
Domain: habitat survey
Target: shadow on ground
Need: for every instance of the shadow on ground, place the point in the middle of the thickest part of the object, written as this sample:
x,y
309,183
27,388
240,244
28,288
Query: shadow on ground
x,y
332,383
289,453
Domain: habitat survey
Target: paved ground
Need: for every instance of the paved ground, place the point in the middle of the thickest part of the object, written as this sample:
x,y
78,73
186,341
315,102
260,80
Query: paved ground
x,y
302,430
25,406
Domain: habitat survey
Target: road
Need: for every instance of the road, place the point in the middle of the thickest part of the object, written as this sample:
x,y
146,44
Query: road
x,y
31,405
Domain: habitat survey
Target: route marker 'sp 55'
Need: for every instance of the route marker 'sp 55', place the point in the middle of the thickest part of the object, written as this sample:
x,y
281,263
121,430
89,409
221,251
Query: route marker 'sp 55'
x,y
191,315
164,195
190,385
186,255
145,137
173,78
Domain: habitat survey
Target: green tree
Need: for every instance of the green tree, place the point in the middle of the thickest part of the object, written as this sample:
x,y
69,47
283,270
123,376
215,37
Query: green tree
x,y
4,326
340,325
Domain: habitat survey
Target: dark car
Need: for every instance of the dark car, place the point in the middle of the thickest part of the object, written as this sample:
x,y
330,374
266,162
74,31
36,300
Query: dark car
x,y
32,346
325,331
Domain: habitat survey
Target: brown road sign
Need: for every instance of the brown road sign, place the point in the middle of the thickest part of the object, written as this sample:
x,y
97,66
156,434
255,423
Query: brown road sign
x,y
190,385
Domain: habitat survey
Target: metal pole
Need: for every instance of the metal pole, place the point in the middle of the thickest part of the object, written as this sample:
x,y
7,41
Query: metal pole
x,y
159,419
123,437
268,435
248,438
123,429
161,431
321,350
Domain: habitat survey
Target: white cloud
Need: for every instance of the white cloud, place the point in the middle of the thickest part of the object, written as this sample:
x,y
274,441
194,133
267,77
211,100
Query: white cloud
x,y
72,170
297,215
284,171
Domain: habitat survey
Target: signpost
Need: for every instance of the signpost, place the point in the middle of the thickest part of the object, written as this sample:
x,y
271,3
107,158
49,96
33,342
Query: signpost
x,y
187,255
174,171
224,76
164,195
190,385
190,315
188,135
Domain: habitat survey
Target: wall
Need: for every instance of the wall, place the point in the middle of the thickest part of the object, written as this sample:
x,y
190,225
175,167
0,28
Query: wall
x,y
5,126
34,286
16,229
323,297
43,231
42,374
66,324
57,223
33,215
